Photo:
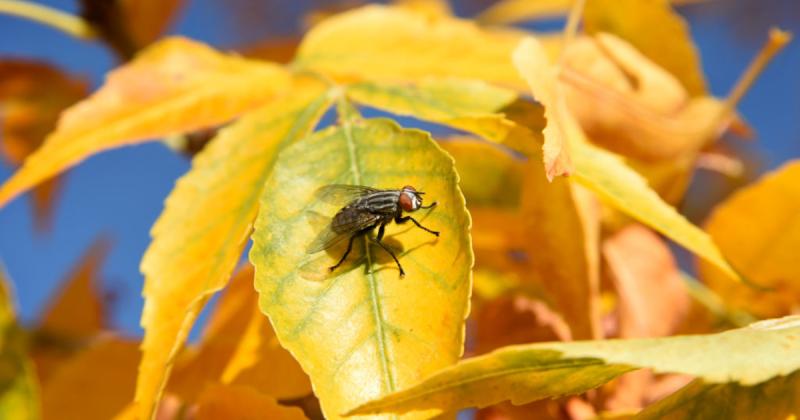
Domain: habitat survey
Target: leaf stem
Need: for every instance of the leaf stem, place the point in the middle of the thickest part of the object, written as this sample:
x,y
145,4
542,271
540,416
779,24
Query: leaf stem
x,y
65,22
777,40
572,23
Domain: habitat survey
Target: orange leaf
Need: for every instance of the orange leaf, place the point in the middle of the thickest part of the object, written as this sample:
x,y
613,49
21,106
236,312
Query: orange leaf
x,y
199,237
95,384
32,95
145,20
174,86
758,230
238,402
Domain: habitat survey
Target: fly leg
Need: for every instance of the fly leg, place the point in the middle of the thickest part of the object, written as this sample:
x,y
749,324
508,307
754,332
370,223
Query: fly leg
x,y
346,253
400,220
386,248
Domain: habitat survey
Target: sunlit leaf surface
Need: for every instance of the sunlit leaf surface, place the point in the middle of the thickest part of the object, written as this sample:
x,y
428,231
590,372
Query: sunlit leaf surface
x,y
174,86
363,331
394,44
529,372
758,228
199,237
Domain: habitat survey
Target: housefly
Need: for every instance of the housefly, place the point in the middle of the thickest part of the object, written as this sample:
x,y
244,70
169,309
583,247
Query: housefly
x,y
366,209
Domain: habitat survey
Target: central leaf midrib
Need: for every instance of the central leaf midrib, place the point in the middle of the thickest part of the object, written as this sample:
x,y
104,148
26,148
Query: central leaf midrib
x,y
371,280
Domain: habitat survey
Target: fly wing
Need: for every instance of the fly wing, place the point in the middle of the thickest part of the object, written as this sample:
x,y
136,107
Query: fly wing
x,y
341,193
344,225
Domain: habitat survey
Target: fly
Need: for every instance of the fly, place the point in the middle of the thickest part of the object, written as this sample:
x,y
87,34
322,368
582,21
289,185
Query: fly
x,y
367,209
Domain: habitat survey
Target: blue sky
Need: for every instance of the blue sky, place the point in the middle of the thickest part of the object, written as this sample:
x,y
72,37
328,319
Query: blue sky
x,y
120,193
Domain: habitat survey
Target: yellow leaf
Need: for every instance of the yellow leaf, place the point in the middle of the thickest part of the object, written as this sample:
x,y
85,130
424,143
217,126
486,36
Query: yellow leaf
x,y
95,384
174,86
199,236
19,398
561,225
393,44
525,373
362,331
758,229
510,11
654,29
427,8
489,176
621,187
238,402
491,112
532,62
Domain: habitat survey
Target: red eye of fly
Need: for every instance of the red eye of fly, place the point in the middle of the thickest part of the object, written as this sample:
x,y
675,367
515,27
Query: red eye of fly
x,y
409,188
406,203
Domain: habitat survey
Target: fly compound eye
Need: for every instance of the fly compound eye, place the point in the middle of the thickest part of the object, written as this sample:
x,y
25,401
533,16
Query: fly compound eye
x,y
408,201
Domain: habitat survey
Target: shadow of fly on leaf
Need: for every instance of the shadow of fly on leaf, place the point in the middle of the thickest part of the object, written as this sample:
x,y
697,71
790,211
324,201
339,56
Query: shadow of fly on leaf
x,y
367,208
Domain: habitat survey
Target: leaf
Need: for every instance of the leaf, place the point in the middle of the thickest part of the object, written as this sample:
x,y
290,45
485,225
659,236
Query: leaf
x,y
758,229
654,29
511,320
489,176
465,104
174,86
238,402
621,187
561,226
19,390
75,390
529,372
362,331
393,44
77,311
32,95
146,20
199,237
774,399
653,299
534,66
510,11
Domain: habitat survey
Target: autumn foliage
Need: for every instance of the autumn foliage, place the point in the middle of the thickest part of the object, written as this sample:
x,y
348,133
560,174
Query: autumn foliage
x,y
557,165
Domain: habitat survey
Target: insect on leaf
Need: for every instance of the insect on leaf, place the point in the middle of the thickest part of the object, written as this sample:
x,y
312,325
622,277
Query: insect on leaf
x,y
530,372
199,237
174,86
362,331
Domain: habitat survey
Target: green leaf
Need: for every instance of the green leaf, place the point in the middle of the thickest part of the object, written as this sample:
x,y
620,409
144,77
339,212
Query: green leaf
x,y
19,389
777,398
525,373
361,331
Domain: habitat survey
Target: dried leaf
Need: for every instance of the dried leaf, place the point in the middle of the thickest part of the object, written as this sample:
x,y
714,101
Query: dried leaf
x,y
510,11
361,331
199,237
174,86
146,20
529,372
517,320
759,231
